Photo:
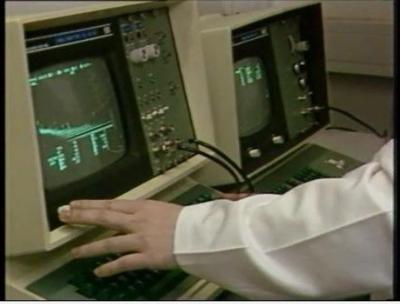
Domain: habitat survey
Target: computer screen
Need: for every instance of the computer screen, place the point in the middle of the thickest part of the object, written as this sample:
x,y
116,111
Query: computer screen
x,y
77,118
253,98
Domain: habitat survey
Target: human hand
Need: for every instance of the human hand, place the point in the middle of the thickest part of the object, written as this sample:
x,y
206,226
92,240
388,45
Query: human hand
x,y
147,228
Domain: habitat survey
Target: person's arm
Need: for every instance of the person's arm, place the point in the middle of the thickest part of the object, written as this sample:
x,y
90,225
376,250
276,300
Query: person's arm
x,y
329,238
325,239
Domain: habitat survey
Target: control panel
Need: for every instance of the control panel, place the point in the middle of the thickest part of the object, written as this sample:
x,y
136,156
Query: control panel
x,y
158,86
289,49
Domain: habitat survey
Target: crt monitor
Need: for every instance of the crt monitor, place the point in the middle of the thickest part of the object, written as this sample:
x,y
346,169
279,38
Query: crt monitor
x,y
97,101
267,81
87,147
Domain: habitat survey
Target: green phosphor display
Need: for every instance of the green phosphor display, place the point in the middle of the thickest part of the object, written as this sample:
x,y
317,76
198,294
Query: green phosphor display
x,y
77,118
252,95
250,73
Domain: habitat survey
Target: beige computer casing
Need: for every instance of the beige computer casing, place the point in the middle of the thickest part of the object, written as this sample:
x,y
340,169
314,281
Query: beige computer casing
x,y
32,249
217,43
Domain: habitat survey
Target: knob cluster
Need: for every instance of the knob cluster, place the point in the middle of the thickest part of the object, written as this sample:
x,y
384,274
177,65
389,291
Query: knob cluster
x,y
165,146
161,132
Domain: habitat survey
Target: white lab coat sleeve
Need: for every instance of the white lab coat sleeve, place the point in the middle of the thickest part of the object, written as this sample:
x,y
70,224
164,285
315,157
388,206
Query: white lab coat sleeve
x,y
326,239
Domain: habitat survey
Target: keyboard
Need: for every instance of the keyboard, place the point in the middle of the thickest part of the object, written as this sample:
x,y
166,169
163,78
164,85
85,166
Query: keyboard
x,y
308,163
304,175
131,285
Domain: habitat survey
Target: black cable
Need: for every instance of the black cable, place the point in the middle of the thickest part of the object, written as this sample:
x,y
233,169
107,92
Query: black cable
x,y
351,116
214,159
227,159
341,128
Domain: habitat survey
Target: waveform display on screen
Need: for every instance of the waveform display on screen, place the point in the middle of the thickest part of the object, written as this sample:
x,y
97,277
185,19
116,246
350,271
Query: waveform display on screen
x,y
75,132
69,153
78,119
69,70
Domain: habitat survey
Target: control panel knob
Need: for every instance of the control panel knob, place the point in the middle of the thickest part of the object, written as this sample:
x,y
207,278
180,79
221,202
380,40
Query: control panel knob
x,y
305,112
156,149
315,108
170,143
172,87
299,67
254,152
153,50
303,82
278,139
139,55
302,98
302,46
147,117
166,130
152,135
163,129
298,46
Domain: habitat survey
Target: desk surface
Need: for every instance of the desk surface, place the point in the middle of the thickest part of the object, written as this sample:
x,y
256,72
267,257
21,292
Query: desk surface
x,y
360,146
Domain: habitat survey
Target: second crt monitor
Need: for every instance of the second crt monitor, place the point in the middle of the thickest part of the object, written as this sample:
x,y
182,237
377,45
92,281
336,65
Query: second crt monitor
x,y
267,82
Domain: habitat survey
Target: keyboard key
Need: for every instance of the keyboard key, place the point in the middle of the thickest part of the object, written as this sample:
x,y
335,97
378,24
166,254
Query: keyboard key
x,y
104,294
87,289
122,296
